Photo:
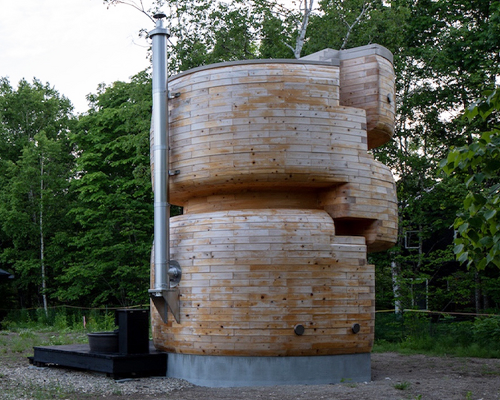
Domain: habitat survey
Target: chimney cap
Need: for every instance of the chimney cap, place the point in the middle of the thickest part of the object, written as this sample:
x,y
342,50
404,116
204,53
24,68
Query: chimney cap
x,y
159,15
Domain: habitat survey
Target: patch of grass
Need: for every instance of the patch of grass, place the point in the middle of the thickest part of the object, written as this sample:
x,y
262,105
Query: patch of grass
x,y
486,371
67,338
416,333
37,392
383,346
348,382
20,344
402,385
27,334
437,347
16,346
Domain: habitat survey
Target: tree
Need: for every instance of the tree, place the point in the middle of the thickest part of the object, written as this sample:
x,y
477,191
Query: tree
x,y
443,65
446,52
440,64
35,169
206,31
301,37
478,165
351,23
114,206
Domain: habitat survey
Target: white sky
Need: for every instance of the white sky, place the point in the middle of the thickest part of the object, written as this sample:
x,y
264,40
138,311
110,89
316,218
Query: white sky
x,y
72,44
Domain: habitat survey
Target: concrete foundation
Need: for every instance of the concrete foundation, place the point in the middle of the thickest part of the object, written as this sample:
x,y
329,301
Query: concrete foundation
x,y
231,371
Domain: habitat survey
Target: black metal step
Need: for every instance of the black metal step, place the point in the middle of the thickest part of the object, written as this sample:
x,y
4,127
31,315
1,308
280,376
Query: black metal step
x,y
116,366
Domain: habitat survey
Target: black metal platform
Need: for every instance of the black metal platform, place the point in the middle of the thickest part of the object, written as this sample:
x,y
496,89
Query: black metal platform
x,y
116,366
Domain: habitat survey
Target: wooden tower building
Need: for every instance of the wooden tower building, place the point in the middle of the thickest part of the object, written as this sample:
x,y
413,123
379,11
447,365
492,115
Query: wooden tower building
x,y
282,201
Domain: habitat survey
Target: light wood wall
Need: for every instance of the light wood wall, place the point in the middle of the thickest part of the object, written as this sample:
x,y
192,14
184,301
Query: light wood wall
x,y
248,277
368,82
281,203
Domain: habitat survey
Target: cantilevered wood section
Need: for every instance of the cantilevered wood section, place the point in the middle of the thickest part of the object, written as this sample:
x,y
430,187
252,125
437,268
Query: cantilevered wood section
x,y
365,206
250,276
367,82
281,204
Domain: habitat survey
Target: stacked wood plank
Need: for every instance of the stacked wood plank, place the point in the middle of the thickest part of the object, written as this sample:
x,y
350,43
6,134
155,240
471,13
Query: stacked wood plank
x,y
281,202
368,82
250,276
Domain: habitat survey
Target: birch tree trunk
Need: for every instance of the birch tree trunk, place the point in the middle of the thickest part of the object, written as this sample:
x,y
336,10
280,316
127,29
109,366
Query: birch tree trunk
x,y
299,43
395,268
42,242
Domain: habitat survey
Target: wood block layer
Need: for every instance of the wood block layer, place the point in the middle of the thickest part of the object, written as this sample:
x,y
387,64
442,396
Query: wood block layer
x,y
367,82
250,276
367,208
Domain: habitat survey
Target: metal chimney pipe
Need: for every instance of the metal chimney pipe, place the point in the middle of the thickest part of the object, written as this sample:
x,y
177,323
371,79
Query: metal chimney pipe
x,y
160,153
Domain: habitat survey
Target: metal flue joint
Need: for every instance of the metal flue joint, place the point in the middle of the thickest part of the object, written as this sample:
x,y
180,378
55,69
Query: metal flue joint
x,y
174,273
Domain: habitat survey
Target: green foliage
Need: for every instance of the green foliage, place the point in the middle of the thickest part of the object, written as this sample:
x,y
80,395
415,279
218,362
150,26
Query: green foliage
x,y
478,164
491,286
95,217
113,211
61,319
382,23
422,333
388,327
206,31
278,29
440,66
487,329
232,36
405,385
30,109
36,161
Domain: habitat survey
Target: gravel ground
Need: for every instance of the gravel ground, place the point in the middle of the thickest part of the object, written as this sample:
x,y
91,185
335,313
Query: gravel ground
x,y
29,382
394,376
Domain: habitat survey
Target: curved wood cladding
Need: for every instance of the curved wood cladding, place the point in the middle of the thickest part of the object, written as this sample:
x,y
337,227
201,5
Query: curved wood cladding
x,y
366,207
250,276
281,203
255,126
367,82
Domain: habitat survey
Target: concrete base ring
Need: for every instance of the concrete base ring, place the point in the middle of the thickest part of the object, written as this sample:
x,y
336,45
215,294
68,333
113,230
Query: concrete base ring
x,y
233,371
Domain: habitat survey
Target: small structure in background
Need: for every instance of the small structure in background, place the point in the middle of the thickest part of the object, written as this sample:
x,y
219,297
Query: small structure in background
x,y
282,201
4,275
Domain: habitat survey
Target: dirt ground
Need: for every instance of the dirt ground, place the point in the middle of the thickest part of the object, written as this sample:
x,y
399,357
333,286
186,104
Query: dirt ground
x,y
394,376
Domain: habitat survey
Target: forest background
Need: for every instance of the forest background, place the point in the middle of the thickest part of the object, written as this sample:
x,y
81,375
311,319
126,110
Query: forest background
x,y
76,207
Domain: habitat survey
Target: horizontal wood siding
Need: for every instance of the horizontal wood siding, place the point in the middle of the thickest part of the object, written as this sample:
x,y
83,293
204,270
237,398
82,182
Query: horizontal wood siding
x,y
281,203
248,277
259,126
372,199
367,82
